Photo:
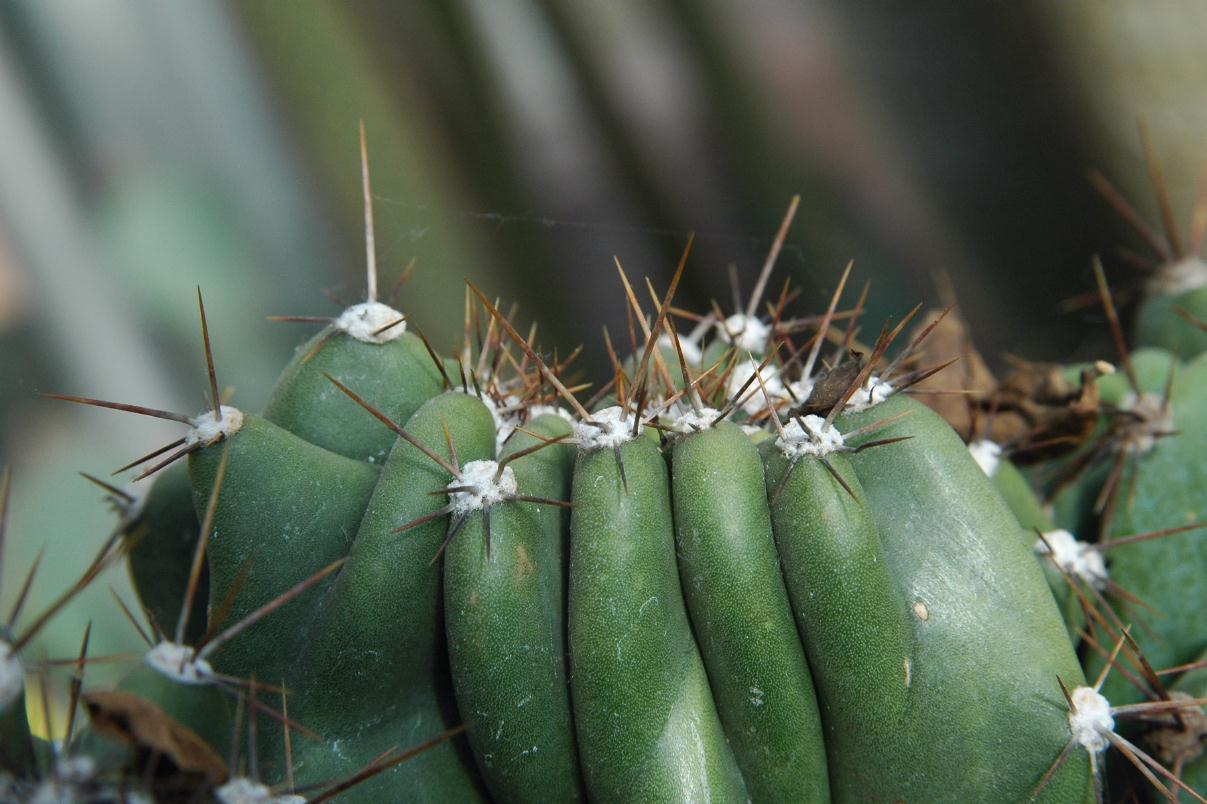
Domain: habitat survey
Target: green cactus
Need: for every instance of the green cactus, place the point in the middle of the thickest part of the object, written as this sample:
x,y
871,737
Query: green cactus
x,y
751,574
1173,304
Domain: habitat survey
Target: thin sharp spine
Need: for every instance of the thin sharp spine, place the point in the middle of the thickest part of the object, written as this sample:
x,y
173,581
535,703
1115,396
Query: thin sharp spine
x,y
393,425
370,244
215,397
761,284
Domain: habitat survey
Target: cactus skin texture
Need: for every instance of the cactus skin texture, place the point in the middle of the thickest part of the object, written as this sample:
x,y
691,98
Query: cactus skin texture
x,y
283,497
396,377
163,537
990,630
848,610
505,613
373,673
742,618
647,726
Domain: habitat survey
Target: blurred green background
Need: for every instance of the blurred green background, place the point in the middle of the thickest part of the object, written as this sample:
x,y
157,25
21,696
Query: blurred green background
x,y
148,147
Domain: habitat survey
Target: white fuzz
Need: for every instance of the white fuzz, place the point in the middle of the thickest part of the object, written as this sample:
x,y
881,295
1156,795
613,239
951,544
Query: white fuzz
x,y
177,663
1076,558
12,675
753,400
208,430
505,417
129,509
365,322
746,332
1090,719
815,438
873,392
241,790
1179,277
691,352
541,410
684,419
1142,435
485,490
987,455
751,429
612,427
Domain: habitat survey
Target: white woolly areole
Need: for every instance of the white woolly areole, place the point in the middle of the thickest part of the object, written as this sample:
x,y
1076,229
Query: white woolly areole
x,y
611,427
746,332
814,438
129,508
987,455
207,430
485,490
1152,420
241,790
753,400
1076,558
505,417
1090,719
541,410
178,663
1182,276
12,675
873,391
691,352
365,322
684,419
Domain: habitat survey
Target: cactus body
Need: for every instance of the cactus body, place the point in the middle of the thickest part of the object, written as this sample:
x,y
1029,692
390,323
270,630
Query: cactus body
x,y
990,630
1158,325
505,616
852,618
164,538
741,615
1169,574
287,509
773,607
373,673
647,725
396,377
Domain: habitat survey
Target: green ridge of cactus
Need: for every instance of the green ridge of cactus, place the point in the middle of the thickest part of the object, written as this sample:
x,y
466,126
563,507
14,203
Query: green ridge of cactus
x,y
1164,489
949,541
1159,324
162,533
1038,529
